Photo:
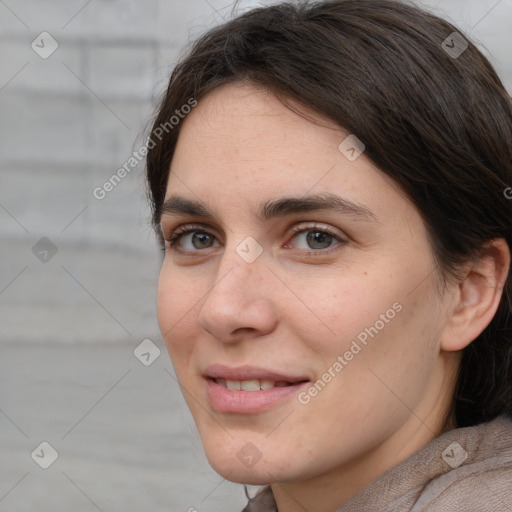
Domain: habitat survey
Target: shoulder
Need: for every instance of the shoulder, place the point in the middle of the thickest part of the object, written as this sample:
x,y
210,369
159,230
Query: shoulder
x,y
463,469
480,478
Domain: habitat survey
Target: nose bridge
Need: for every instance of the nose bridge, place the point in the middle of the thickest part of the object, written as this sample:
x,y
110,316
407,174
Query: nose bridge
x,y
236,300
237,267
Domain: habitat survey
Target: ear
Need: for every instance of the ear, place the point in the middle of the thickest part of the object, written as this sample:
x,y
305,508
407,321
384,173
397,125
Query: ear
x,y
477,296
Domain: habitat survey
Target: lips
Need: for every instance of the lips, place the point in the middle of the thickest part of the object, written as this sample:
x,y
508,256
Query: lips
x,y
251,385
223,374
248,389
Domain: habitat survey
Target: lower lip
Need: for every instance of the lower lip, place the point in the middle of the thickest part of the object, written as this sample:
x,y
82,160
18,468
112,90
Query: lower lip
x,y
226,400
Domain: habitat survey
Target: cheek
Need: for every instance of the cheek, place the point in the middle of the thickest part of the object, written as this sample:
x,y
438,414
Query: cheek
x,y
340,309
372,323
387,341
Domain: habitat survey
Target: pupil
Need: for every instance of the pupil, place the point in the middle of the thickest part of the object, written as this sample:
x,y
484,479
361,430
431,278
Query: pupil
x,y
201,238
318,239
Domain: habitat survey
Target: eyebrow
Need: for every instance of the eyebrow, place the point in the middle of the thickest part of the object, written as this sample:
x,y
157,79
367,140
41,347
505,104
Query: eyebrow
x,y
176,205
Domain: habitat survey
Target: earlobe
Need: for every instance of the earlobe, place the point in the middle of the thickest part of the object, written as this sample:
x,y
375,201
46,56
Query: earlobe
x,y
478,296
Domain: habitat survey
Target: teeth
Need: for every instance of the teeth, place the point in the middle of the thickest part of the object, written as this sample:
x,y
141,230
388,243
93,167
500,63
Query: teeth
x,y
250,385
234,384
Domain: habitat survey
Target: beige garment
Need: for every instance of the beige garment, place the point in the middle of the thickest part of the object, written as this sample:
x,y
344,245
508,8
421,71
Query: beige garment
x,y
438,477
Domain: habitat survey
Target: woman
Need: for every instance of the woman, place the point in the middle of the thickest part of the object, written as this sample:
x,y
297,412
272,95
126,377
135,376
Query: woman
x,y
330,182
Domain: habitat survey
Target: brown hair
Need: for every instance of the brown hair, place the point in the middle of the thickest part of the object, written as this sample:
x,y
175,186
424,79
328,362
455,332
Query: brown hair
x,y
439,124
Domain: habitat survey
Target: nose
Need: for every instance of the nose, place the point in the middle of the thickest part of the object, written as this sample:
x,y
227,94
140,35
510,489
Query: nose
x,y
240,303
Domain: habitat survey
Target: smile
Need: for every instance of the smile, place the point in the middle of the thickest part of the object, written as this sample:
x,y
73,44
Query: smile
x,y
251,385
249,389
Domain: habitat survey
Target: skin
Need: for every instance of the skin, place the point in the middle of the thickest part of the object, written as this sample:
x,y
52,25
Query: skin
x,y
295,311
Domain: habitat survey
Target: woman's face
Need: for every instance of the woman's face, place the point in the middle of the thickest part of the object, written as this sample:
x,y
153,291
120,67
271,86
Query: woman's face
x,y
301,265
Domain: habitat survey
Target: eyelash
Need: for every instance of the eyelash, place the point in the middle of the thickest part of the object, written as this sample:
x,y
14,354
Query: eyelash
x,y
184,230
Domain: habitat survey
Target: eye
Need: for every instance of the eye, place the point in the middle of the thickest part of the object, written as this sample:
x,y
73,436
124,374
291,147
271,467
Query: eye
x,y
316,238
312,239
191,238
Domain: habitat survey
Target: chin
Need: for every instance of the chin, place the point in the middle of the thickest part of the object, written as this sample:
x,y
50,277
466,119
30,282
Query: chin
x,y
228,461
240,462
234,473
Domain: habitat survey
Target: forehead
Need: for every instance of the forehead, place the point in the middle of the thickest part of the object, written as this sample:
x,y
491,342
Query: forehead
x,y
242,143
239,120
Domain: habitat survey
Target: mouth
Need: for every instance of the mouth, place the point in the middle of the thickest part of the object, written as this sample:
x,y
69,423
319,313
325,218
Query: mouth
x,y
246,390
253,385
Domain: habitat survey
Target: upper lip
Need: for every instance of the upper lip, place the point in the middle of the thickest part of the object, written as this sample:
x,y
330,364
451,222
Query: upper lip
x,y
240,373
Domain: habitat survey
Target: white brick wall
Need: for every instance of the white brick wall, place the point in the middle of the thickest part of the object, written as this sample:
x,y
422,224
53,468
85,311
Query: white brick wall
x,y
68,122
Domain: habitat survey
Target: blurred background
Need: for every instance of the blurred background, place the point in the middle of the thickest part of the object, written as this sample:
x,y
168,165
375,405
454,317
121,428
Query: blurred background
x,y
91,416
